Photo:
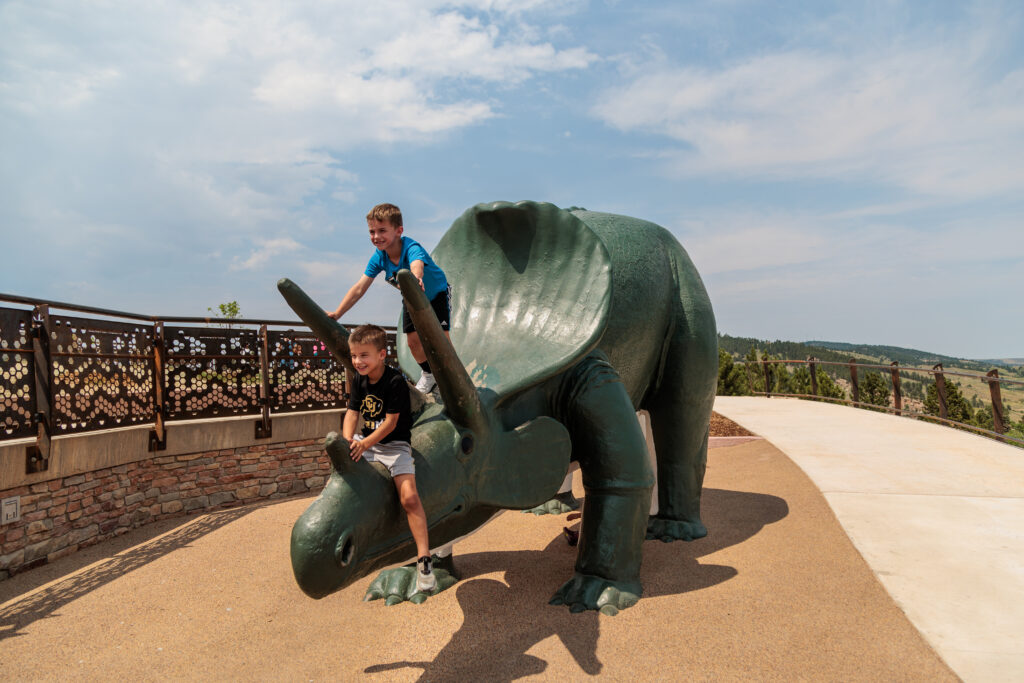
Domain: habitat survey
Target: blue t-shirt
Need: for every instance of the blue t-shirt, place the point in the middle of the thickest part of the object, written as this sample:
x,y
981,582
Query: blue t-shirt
x,y
434,281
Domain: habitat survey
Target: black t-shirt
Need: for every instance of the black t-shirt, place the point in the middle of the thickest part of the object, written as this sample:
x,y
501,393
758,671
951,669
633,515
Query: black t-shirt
x,y
373,401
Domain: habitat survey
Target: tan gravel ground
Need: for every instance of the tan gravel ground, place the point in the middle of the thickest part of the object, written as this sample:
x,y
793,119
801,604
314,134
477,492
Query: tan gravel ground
x,y
776,591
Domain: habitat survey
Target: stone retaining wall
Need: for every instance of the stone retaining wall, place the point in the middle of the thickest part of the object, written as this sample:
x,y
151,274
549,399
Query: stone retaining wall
x,y
62,515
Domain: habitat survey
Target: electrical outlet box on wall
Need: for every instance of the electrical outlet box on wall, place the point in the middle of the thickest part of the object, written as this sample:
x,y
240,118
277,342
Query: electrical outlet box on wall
x,y
11,510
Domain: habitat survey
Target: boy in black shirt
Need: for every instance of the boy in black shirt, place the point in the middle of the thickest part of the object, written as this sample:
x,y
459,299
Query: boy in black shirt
x,y
381,396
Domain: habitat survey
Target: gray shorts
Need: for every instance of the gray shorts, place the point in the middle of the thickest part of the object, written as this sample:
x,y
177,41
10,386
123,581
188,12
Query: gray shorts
x,y
395,455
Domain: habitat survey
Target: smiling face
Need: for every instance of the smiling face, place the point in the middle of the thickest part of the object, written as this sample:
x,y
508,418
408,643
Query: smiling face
x,y
385,236
367,359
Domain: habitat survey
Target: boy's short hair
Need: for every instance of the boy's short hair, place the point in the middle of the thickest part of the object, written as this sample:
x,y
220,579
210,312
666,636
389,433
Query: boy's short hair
x,y
386,213
369,334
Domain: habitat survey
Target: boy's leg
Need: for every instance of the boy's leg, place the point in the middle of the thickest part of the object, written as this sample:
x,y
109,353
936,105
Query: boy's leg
x,y
416,346
441,304
406,485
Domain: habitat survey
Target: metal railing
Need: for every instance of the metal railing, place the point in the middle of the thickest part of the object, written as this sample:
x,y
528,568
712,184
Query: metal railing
x,y
64,374
895,370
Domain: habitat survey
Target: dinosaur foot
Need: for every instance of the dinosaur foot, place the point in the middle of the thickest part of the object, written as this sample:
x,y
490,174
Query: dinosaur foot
x,y
399,584
583,592
559,505
668,530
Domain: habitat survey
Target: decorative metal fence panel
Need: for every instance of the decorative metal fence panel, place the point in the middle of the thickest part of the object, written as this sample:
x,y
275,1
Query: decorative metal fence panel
x,y
63,374
102,374
303,374
17,382
212,372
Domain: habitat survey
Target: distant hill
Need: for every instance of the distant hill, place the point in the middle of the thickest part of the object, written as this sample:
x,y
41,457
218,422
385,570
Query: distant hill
x,y
1008,362
912,356
842,351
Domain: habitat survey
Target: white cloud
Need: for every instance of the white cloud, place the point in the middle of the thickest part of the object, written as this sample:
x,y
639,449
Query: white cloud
x,y
931,116
213,91
267,250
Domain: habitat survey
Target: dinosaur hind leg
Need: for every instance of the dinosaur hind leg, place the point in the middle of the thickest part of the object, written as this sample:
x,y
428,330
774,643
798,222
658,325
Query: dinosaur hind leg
x,y
680,411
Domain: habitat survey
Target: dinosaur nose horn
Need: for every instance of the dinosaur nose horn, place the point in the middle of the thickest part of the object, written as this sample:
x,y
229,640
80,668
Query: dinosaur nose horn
x,y
327,330
338,451
461,401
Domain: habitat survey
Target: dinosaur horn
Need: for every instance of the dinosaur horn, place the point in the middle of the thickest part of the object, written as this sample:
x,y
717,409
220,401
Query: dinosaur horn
x,y
338,452
327,330
461,401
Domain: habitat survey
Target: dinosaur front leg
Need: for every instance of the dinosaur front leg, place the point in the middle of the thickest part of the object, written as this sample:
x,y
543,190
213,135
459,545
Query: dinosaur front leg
x,y
617,478
399,583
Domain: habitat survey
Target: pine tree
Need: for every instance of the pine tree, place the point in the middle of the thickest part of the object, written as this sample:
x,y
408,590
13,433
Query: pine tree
x,y
874,389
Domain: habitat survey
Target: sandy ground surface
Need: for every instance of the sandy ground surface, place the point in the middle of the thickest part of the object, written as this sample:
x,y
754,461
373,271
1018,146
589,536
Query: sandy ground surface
x,y
776,591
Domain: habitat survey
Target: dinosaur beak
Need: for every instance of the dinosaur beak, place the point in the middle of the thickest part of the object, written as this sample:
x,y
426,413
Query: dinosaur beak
x,y
461,401
329,331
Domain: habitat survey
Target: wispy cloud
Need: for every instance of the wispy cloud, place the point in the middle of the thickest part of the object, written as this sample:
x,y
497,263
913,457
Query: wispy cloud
x,y
267,250
935,115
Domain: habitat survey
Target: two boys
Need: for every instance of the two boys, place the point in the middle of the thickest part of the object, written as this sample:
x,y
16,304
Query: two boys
x,y
380,394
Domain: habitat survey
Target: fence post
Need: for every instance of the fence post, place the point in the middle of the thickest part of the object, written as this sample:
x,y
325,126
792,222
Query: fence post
x,y
37,457
853,380
767,380
997,401
940,389
264,428
814,376
897,396
158,436
750,378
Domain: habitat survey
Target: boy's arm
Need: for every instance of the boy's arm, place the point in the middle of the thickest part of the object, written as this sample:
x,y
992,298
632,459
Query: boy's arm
x,y
416,267
385,428
348,430
354,294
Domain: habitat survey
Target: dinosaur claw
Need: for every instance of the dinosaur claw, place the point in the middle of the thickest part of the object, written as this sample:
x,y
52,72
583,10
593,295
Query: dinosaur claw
x,y
393,600
577,607
610,610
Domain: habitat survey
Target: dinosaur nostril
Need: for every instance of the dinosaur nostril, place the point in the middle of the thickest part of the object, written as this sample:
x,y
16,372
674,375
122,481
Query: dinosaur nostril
x,y
467,444
346,552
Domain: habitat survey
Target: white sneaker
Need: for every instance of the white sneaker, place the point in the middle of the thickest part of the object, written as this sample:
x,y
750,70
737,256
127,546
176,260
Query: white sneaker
x,y
426,383
425,581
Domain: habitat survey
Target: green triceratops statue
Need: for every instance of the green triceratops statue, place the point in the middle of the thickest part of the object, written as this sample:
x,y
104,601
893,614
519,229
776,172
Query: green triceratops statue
x,y
565,323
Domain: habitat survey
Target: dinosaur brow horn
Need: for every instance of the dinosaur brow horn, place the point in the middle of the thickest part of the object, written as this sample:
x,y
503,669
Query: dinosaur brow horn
x,y
461,401
328,330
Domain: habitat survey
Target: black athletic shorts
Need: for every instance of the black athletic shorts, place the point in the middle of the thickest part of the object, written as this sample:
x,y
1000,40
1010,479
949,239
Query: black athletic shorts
x,y
442,305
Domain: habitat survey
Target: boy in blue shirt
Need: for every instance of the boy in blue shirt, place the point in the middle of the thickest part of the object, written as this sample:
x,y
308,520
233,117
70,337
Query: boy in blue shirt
x,y
394,253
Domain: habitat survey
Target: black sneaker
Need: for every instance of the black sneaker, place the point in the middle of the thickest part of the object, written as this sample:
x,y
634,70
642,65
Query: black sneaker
x,y
425,581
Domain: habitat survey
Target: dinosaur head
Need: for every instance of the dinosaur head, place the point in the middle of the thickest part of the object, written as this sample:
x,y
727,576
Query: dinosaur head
x,y
467,466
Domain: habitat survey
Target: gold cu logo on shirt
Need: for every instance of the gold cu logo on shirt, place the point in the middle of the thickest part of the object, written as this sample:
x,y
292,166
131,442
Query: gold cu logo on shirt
x,y
371,407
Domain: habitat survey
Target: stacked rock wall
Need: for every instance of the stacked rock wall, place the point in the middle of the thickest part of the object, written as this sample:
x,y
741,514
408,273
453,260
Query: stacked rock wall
x,y
62,515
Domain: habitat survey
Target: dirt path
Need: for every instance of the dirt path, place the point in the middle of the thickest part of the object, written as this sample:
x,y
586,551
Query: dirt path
x,y
776,591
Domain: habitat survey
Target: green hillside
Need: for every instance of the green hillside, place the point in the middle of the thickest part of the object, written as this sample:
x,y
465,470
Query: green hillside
x,y
917,386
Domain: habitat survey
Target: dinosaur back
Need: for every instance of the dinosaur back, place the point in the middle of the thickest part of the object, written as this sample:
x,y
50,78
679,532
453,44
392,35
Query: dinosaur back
x,y
531,292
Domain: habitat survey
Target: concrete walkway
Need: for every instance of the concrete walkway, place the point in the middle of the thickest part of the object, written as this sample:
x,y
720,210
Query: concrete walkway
x,y
937,513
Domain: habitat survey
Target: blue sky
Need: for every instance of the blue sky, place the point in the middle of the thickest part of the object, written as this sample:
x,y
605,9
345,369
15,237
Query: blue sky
x,y
841,171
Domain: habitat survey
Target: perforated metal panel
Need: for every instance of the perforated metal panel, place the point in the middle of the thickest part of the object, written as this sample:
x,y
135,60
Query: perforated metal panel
x,y
102,374
212,372
17,384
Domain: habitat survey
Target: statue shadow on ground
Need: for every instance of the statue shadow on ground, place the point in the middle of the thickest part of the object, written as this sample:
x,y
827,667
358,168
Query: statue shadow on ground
x,y
502,622
19,613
